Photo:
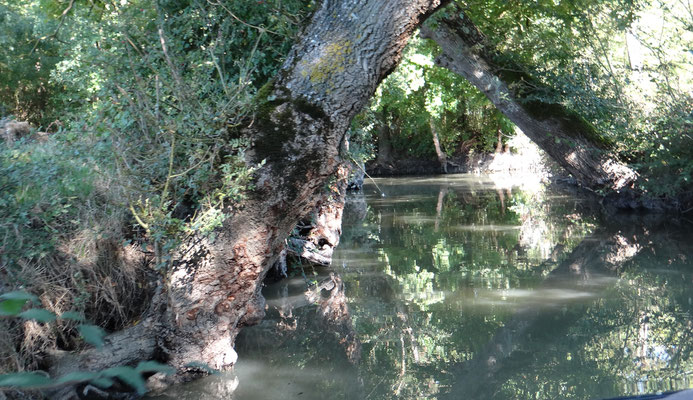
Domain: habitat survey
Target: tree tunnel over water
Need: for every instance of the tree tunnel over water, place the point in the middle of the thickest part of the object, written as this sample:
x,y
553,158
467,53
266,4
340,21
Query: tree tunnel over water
x,y
462,287
203,149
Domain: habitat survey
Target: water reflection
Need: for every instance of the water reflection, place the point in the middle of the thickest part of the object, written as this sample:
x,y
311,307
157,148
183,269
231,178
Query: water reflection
x,y
461,288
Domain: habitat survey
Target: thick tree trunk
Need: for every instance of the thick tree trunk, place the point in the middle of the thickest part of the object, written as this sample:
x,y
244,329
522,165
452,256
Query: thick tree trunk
x,y
213,288
566,137
319,233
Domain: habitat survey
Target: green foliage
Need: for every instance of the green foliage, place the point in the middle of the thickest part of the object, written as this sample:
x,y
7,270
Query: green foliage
x,y
24,380
150,90
92,334
38,314
11,307
153,366
128,375
173,78
623,65
72,315
25,62
42,186
418,95
12,304
104,379
662,150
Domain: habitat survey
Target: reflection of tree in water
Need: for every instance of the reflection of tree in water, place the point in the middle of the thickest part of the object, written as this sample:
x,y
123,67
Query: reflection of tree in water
x,y
610,346
451,297
430,341
429,246
312,317
587,266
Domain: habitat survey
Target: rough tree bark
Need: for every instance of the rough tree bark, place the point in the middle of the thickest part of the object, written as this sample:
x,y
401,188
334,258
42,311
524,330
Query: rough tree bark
x,y
319,233
213,287
566,137
348,48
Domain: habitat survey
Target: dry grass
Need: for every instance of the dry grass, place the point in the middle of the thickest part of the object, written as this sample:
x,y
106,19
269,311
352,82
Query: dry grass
x,y
93,270
109,283
13,130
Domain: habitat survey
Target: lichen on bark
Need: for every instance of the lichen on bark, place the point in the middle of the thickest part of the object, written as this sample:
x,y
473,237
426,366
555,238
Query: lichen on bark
x,y
213,286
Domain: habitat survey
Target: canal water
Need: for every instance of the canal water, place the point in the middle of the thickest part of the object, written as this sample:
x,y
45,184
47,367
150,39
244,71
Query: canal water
x,y
475,287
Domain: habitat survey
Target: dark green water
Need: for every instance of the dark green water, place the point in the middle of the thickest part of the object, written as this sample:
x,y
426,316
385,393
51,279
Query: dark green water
x,y
461,288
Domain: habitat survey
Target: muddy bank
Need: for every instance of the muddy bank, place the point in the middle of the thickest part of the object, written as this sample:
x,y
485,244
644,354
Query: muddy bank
x,y
473,163
520,155
523,158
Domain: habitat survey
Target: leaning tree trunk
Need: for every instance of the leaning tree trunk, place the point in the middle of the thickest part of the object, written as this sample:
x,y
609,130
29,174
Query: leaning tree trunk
x,y
214,287
566,137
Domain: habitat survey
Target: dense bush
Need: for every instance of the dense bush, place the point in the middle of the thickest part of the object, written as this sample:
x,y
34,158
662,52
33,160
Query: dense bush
x,y
25,64
150,89
624,65
148,95
43,185
420,96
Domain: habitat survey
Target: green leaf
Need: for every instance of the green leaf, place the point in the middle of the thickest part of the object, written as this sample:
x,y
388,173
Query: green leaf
x,y
92,334
129,376
74,377
11,307
153,366
38,314
72,315
24,379
19,295
102,382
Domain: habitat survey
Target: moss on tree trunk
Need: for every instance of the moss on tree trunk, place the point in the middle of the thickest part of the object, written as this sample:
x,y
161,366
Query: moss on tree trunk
x,y
563,134
212,288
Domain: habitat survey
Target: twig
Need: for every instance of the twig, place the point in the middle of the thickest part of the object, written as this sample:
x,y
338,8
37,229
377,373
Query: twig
x,y
164,192
127,38
366,173
221,74
191,168
174,71
57,29
259,28
137,218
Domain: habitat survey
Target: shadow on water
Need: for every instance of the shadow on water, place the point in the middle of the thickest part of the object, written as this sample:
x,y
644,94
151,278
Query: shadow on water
x,y
463,288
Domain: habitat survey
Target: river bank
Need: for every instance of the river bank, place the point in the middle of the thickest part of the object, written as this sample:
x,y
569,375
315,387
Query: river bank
x,y
524,160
